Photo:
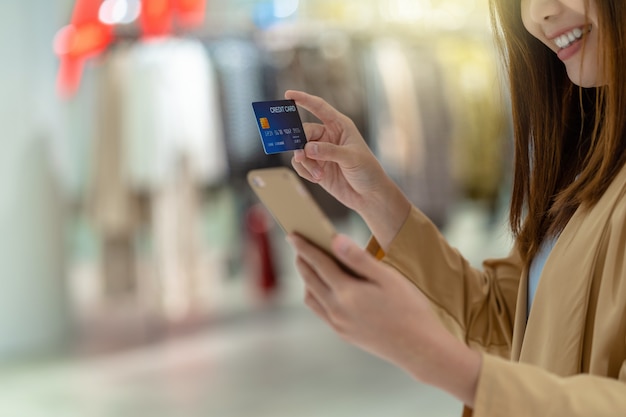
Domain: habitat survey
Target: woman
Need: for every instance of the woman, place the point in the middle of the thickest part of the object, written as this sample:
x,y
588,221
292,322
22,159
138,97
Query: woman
x,y
515,339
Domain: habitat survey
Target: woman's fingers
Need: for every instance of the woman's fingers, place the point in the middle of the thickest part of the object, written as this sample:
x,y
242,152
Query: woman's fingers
x,y
319,264
356,259
313,281
331,141
306,168
322,147
313,131
316,290
311,301
316,105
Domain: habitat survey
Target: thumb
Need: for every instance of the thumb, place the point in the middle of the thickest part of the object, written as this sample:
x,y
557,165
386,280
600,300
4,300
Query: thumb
x,y
355,258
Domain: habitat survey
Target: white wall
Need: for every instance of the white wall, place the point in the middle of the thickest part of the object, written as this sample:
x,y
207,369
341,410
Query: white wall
x,y
33,303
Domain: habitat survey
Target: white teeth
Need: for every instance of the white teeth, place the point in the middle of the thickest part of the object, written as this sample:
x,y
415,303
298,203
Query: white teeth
x,y
568,38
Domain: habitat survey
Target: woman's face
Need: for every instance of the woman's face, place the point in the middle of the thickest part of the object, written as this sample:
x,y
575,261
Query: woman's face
x,y
560,25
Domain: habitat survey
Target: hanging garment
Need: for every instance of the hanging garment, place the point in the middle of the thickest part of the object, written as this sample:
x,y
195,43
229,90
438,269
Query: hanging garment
x,y
399,129
178,248
112,207
110,199
241,71
480,123
327,65
175,144
410,122
172,111
434,190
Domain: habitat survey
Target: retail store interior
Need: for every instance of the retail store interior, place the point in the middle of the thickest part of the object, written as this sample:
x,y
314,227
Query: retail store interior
x,y
140,276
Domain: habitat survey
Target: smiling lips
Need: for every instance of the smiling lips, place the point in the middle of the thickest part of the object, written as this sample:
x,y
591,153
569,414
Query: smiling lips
x,y
568,38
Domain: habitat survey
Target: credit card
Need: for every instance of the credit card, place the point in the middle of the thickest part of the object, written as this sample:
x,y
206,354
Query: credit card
x,y
280,125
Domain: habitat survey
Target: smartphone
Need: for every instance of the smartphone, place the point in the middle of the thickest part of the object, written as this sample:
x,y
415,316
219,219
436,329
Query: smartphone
x,y
284,195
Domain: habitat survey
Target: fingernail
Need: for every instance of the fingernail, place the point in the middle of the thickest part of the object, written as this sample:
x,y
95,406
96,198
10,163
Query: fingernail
x,y
313,149
343,245
317,173
298,154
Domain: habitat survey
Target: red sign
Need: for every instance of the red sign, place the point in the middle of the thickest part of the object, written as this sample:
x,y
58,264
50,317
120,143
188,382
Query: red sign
x,y
88,35
84,37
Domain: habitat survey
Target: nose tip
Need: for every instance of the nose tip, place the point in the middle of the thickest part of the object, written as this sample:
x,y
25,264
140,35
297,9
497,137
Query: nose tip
x,y
543,10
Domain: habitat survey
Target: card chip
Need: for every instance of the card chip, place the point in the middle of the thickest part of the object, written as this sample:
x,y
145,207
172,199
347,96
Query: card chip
x,y
265,123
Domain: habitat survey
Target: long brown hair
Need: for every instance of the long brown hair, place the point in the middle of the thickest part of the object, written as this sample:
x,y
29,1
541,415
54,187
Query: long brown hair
x,y
570,142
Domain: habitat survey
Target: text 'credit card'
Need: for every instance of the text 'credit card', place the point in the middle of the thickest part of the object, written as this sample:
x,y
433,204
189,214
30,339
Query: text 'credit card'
x,y
280,125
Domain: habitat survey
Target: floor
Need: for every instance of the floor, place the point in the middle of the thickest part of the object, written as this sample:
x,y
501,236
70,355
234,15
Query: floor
x,y
277,361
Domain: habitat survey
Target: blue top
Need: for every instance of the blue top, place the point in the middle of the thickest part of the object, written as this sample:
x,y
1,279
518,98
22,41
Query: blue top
x,y
536,268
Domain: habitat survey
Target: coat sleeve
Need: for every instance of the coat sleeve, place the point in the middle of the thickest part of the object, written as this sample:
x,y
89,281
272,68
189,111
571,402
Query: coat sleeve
x,y
508,389
478,306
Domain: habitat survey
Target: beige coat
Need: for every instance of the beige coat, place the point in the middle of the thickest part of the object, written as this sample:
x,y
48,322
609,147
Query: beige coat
x,y
569,359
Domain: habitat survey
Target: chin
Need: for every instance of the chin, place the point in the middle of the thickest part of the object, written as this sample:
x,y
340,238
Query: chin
x,y
584,82
588,76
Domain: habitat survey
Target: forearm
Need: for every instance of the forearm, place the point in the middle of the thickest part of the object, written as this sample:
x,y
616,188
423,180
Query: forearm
x,y
458,370
384,212
476,305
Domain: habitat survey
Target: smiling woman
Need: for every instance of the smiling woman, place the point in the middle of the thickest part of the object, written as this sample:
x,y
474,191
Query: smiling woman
x,y
574,154
563,353
571,31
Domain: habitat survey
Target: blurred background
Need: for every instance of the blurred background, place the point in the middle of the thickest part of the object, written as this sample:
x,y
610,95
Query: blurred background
x,y
138,274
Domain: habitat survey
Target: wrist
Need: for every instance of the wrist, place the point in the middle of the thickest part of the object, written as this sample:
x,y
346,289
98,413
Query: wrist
x,y
469,374
456,370
384,211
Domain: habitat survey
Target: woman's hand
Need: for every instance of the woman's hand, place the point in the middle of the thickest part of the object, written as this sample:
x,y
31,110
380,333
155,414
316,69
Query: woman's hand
x,y
337,158
383,313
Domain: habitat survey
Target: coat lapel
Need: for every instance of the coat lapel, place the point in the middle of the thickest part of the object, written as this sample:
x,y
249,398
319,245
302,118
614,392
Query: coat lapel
x,y
554,335
521,311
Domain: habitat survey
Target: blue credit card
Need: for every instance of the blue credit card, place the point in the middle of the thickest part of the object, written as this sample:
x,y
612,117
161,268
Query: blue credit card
x,y
280,125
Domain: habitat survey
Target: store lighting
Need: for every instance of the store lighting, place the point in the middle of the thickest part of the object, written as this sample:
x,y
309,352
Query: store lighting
x,y
405,10
62,40
285,8
459,10
448,14
114,12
